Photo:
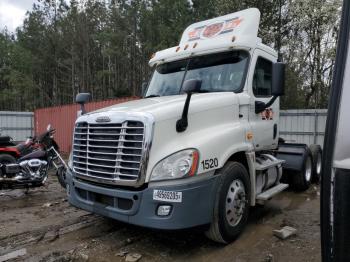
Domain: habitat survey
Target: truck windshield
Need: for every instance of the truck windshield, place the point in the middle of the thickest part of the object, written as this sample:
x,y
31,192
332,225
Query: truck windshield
x,y
221,72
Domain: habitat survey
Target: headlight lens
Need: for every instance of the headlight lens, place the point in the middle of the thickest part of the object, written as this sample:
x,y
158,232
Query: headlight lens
x,y
178,165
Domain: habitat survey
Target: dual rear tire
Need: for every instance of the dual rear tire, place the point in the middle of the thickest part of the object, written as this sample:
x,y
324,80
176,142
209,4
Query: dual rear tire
x,y
316,154
311,169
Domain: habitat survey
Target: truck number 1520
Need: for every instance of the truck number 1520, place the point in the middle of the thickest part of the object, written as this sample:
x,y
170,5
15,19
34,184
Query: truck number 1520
x,y
210,163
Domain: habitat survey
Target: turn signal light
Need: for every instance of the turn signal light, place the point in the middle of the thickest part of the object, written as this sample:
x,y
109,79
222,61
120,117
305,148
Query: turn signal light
x,y
195,156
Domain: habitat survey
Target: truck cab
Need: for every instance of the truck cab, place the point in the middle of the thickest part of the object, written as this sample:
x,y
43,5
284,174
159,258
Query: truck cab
x,y
202,146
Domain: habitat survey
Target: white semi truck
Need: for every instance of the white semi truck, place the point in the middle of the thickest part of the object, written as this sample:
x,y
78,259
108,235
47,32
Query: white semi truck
x,y
202,146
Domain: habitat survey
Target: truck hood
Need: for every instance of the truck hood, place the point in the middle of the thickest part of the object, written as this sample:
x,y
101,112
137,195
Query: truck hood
x,y
168,107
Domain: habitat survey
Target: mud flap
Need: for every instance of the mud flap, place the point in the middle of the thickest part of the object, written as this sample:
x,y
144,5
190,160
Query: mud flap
x,y
293,154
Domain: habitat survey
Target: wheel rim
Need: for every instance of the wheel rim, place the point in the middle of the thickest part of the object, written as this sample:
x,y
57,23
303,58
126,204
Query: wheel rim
x,y
319,164
308,169
235,202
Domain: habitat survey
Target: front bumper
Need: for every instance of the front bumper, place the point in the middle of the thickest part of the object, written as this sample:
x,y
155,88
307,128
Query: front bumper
x,y
139,208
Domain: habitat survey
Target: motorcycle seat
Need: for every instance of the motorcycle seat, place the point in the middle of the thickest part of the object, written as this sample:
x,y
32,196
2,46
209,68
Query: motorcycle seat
x,y
6,141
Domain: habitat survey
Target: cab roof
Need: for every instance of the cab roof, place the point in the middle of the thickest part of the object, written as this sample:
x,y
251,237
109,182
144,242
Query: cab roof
x,y
238,30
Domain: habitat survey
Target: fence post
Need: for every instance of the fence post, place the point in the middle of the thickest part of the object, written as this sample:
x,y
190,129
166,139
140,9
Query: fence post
x,y
32,125
316,126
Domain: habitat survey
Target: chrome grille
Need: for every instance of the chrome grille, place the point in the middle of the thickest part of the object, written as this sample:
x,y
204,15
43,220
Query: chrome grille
x,y
109,152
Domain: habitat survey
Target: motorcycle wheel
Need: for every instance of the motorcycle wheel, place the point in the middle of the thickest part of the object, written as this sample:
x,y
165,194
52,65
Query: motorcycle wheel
x,y
7,159
61,176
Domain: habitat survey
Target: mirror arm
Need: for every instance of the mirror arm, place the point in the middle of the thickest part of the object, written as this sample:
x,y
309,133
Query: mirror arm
x,y
81,99
182,123
261,106
82,108
273,99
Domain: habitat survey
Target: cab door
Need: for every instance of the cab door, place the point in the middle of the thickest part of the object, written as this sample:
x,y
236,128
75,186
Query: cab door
x,y
264,125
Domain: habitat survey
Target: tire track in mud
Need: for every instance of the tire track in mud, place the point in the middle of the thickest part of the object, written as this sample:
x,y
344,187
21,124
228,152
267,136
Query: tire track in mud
x,y
24,239
99,230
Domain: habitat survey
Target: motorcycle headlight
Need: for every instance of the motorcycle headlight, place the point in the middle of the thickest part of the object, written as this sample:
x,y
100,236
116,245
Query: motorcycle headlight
x,y
178,165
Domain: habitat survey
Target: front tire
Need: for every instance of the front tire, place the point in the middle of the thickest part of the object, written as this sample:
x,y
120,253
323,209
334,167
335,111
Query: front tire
x,y
231,204
61,177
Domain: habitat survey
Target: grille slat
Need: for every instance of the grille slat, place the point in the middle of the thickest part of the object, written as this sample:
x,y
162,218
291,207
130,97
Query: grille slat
x,y
115,128
108,151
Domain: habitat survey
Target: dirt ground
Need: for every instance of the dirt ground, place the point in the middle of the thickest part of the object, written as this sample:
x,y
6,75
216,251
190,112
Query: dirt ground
x,y
42,226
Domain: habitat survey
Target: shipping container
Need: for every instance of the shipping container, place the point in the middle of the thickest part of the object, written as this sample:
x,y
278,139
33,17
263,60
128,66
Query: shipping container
x,y
62,118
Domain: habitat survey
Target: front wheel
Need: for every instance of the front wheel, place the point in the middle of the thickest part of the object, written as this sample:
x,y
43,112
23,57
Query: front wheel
x,y
61,176
231,205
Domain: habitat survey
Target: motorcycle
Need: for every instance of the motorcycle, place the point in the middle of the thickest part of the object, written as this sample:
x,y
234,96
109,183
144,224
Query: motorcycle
x,y
31,170
11,150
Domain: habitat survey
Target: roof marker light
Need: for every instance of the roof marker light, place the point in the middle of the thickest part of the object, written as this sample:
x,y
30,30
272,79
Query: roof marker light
x,y
195,45
177,49
233,38
186,46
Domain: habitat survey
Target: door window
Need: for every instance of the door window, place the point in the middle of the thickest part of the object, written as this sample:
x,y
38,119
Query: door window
x,y
262,80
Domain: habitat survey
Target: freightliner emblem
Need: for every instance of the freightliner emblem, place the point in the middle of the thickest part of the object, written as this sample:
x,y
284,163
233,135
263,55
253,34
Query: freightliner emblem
x,y
103,119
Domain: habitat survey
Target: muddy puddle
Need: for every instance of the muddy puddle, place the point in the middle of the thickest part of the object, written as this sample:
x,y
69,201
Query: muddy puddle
x,y
42,226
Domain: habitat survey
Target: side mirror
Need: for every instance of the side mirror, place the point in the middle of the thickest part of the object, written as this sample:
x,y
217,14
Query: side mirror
x,y
278,74
189,87
192,86
144,89
81,99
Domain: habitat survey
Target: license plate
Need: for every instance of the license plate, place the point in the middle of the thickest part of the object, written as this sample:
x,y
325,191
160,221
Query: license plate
x,y
168,196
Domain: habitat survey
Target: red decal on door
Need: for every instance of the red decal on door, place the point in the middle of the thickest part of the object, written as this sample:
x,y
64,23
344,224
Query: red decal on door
x,y
267,114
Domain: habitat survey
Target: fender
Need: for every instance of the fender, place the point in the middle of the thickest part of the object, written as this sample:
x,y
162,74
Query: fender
x,y
293,154
10,150
249,156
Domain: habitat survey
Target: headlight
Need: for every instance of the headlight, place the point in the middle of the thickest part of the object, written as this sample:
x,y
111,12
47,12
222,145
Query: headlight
x,y
178,165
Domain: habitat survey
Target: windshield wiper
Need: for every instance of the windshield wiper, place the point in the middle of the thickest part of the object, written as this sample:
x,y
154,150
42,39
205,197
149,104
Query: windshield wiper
x,y
212,91
152,96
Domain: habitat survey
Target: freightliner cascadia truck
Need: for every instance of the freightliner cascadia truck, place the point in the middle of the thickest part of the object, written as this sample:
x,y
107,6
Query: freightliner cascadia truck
x,y
202,146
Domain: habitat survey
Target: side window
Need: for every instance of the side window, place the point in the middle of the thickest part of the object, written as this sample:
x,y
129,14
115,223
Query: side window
x,y
262,80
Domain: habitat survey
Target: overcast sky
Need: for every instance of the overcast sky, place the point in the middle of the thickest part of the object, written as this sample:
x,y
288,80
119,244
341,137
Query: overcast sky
x,y
12,13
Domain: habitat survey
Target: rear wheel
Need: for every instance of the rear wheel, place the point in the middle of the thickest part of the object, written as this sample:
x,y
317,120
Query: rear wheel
x,y
231,205
7,159
316,153
301,180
